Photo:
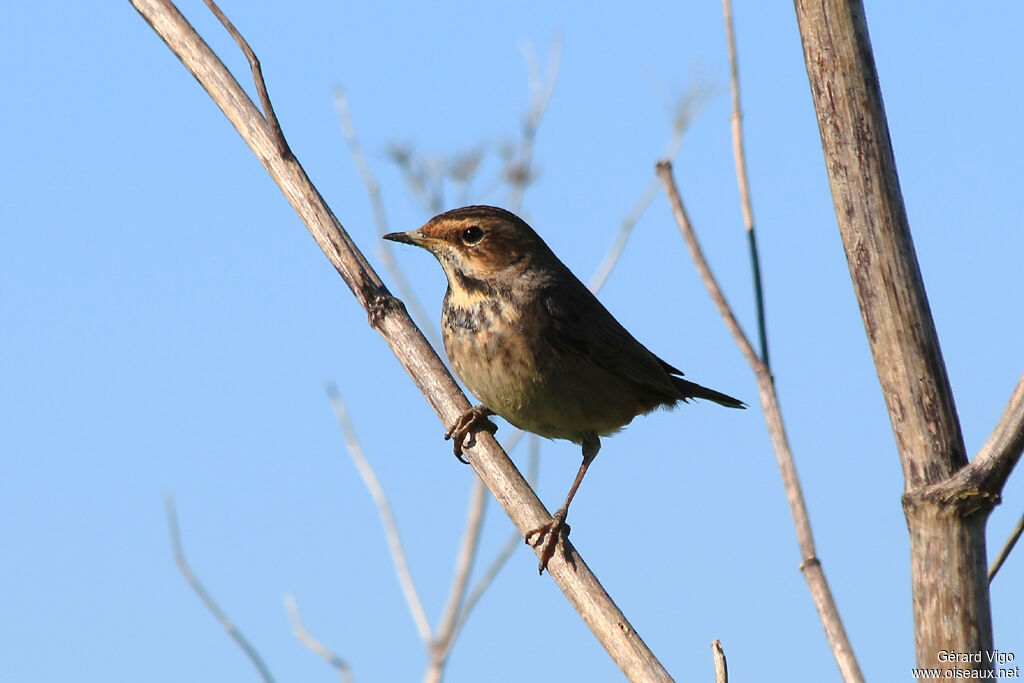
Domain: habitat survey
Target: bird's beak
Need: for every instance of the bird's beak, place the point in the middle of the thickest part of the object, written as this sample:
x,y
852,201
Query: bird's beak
x,y
414,237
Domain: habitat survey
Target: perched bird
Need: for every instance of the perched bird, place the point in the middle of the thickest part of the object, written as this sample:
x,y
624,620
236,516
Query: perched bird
x,y
536,347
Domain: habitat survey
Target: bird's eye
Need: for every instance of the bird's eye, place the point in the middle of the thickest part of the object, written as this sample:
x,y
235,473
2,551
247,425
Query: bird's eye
x,y
472,235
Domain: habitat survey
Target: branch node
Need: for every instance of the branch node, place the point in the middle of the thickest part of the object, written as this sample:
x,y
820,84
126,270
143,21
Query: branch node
x,y
959,495
381,305
809,562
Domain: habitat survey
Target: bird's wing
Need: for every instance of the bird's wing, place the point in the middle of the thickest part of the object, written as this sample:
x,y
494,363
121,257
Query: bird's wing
x,y
580,324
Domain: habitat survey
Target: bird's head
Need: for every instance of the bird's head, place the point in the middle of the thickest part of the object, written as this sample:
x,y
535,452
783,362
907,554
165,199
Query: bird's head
x,y
477,244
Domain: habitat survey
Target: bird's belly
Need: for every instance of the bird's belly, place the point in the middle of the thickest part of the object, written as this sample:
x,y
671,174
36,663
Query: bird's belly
x,y
534,386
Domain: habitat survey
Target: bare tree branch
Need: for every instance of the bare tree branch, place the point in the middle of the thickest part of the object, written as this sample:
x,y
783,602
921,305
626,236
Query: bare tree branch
x,y
1001,452
685,111
514,541
810,566
1007,548
197,586
387,518
519,169
463,567
388,316
945,519
269,115
424,177
740,161
310,641
664,170
721,670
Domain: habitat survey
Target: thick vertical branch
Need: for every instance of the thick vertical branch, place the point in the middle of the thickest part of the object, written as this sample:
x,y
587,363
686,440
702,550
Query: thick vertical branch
x,y
951,607
876,235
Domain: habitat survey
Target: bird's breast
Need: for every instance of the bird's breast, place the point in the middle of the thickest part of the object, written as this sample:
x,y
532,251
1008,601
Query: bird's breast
x,y
485,341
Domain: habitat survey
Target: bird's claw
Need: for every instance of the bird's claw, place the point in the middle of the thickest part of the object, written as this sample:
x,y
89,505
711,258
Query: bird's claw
x,y
474,418
550,536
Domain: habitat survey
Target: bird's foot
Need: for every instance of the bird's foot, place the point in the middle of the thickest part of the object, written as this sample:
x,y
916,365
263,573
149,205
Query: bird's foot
x,y
472,419
550,536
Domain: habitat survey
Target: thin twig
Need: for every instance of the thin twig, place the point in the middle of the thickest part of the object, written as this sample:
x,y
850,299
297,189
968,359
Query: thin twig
x,y
463,567
721,669
664,169
740,161
515,540
380,217
809,565
629,221
519,171
686,110
1007,547
196,585
387,518
257,76
310,641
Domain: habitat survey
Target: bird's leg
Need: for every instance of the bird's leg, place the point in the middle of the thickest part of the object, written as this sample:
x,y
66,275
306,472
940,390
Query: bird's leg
x,y
549,535
474,418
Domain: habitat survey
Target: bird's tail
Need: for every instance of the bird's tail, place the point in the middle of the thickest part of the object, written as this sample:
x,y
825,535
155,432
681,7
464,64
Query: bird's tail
x,y
694,390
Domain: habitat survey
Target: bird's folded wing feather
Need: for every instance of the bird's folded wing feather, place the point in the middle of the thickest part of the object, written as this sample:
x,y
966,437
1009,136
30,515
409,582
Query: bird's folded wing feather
x,y
580,324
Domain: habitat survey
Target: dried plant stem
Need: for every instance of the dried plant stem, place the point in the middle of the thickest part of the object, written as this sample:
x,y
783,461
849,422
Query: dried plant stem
x,y
197,586
514,541
992,466
740,161
630,220
389,317
311,642
1007,547
459,604
686,110
810,566
721,669
946,499
387,518
542,85
463,567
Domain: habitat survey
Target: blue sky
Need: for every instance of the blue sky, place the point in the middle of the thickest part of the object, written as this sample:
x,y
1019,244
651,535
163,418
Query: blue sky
x,y
169,327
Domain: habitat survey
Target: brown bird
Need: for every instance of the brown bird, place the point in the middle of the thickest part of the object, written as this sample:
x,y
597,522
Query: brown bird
x,y
536,347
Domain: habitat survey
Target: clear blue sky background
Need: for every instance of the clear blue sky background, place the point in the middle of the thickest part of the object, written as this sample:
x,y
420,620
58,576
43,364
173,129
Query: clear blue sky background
x,y
169,326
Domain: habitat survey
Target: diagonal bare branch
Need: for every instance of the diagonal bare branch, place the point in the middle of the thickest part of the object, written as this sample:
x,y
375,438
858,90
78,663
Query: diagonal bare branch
x,y
810,566
1001,452
463,568
313,644
1007,548
387,518
664,170
686,111
197,586
514,541
269,115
